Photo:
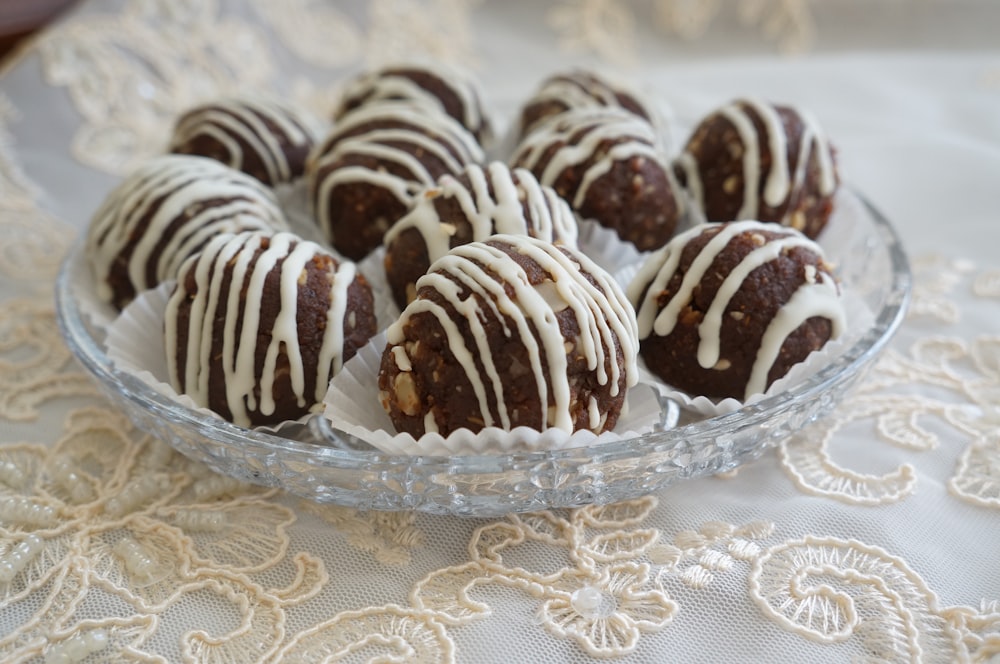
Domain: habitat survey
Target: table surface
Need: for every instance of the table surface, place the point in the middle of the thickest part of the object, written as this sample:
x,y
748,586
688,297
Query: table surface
x,y
872,535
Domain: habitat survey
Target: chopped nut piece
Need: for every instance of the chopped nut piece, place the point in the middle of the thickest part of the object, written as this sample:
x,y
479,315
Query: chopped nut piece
x,y
730,184
691,316
407,399
798,220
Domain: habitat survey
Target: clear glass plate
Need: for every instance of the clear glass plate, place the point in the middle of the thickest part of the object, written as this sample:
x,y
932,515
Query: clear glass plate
x,y
328,466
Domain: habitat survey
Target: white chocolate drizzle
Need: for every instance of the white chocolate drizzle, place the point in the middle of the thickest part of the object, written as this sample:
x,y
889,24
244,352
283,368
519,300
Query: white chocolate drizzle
x,y
602,314
817,299
413,133
577,90
515,207
168,190
287,254
396,83
777,185
266,127
633,137
817,296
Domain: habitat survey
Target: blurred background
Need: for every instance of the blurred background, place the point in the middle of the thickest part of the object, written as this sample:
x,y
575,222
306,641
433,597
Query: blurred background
x,y
20,18
621,31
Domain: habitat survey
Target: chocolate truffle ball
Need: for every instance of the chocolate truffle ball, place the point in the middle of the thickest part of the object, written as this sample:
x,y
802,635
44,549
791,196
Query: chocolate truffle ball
x,y
470,207
579,89
607,164
726,309
263,138
258,324
364,176
435,88
507,333
755,160
164,212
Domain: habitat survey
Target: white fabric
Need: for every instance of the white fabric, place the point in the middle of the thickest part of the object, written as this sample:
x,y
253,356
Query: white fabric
x,y
872,535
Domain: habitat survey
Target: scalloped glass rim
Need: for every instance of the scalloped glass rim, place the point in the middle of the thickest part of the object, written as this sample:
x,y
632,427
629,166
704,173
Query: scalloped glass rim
x,y
327,468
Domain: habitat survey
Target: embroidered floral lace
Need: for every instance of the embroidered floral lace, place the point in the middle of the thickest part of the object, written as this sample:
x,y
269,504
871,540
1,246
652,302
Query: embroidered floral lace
x,y
869,536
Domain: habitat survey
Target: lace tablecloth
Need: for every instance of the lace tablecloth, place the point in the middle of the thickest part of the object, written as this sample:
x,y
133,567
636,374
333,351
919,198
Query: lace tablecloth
x,y
872,535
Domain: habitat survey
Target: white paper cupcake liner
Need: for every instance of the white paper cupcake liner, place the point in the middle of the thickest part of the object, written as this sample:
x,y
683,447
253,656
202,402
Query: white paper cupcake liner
x,y
372,267
136,346
352,406
603,246
293,198
83,285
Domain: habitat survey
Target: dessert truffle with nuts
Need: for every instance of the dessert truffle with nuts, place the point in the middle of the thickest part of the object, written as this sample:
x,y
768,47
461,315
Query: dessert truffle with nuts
x,y
470,207
579,89
726,309
363,177
435,88
166,211
755,160
510,332
607,164
262,137
259,323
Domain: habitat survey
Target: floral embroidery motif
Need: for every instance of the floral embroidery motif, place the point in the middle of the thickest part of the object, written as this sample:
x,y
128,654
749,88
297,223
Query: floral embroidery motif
x,y
696,557
970,372
979,630
130,74
33,360
381,634
806,459
609,615
831,590
389,536
87,513
977,478
108,515
605,598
